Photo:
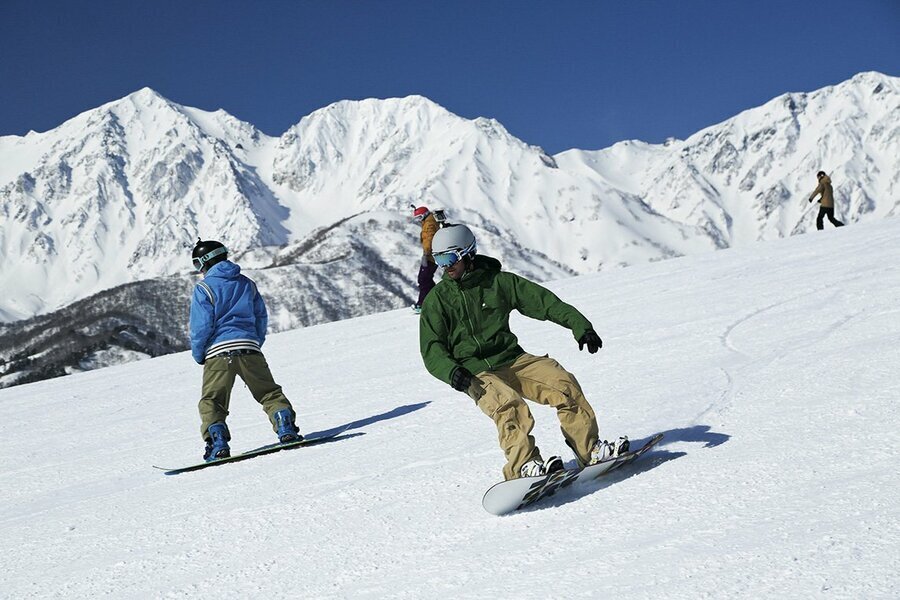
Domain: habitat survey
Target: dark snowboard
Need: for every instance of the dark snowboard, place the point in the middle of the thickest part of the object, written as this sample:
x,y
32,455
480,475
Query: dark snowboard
x,y
515,494
262,450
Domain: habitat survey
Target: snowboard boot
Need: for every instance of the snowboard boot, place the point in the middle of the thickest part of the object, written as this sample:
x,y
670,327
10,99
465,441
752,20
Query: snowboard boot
x,y
287,432
536,467
217,444
604,450
553,464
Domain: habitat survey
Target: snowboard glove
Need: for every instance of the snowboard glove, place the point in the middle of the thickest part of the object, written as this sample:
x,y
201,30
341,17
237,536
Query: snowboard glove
x,y
463,381
591,340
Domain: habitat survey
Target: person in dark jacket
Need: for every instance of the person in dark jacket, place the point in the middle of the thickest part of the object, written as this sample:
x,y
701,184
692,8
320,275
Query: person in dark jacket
x,y
465,341
826,201
228,328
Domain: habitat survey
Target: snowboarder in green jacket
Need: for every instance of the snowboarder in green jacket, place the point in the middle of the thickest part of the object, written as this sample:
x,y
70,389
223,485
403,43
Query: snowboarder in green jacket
x,y
465,341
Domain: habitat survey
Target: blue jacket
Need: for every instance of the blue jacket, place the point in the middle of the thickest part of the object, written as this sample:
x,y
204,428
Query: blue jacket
x,y
227,313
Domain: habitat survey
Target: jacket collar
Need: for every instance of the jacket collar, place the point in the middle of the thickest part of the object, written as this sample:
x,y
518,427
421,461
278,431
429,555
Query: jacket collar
x,y
226,268
482,268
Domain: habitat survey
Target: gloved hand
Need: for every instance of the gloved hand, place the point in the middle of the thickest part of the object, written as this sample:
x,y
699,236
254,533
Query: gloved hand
x,y
591,340
465,382
461,379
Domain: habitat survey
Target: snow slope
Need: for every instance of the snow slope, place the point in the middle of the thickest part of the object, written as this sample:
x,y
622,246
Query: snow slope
x,y
771,369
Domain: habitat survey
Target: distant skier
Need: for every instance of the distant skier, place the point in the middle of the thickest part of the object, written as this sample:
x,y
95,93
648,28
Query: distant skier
x,y
427,268
465,341
228,328
826,201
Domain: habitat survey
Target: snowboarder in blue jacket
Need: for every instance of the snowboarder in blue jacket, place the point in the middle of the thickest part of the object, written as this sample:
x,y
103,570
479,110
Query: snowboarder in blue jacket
x,y
228,328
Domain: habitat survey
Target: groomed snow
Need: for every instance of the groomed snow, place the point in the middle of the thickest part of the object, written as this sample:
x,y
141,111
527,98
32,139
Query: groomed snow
x,y
771,369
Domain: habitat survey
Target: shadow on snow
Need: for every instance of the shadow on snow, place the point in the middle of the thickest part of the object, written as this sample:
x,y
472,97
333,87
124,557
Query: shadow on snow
x,y
697,433
654,458
391,414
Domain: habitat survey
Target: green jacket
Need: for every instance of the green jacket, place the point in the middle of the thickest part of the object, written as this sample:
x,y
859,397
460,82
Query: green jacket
x,y
466,322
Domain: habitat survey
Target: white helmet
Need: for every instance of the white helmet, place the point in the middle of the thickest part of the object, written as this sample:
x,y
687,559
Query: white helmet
x,y
451,243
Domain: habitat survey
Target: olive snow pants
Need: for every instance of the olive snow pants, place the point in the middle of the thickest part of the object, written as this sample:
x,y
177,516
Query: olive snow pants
x,y
543,380
219,373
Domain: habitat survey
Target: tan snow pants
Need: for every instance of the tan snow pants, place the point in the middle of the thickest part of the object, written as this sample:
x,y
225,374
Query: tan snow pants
x,y
543,380
219,373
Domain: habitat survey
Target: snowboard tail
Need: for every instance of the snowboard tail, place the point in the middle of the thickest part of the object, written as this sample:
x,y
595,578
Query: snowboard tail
x,y
261,451
515,494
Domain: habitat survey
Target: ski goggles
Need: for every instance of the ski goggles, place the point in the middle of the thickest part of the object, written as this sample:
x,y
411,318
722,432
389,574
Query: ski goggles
x,y
199,261
448,258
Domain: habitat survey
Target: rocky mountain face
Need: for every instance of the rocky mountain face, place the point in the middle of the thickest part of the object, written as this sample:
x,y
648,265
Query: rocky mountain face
x,y
99,214
348,269
114,195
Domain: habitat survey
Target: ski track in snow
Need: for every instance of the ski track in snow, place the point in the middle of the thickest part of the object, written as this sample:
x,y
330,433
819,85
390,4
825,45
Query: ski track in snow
x,y
771,370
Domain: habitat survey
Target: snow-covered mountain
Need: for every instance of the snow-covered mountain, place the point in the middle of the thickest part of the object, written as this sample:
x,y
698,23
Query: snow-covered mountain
x,y
115,194
747,179
777,476
118,194
333,273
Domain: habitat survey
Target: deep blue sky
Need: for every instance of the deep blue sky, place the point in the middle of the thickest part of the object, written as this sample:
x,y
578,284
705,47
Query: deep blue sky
x,y
558,74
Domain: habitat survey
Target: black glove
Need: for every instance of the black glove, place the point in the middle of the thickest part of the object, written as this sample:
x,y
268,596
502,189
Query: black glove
x,y
463,380
591,340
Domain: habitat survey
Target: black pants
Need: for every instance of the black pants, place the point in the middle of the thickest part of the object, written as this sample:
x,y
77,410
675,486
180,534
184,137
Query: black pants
x,y
827,211
426,280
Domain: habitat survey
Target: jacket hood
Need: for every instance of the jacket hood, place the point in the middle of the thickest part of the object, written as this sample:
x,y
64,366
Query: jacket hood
x,y
487,262
825,179
225,269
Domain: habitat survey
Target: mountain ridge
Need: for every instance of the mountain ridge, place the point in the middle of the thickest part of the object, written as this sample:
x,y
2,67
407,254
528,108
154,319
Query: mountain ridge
x,y
118,194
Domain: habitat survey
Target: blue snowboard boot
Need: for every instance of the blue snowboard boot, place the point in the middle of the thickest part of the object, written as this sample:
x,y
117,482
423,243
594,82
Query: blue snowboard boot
x,y
217,444
286,430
